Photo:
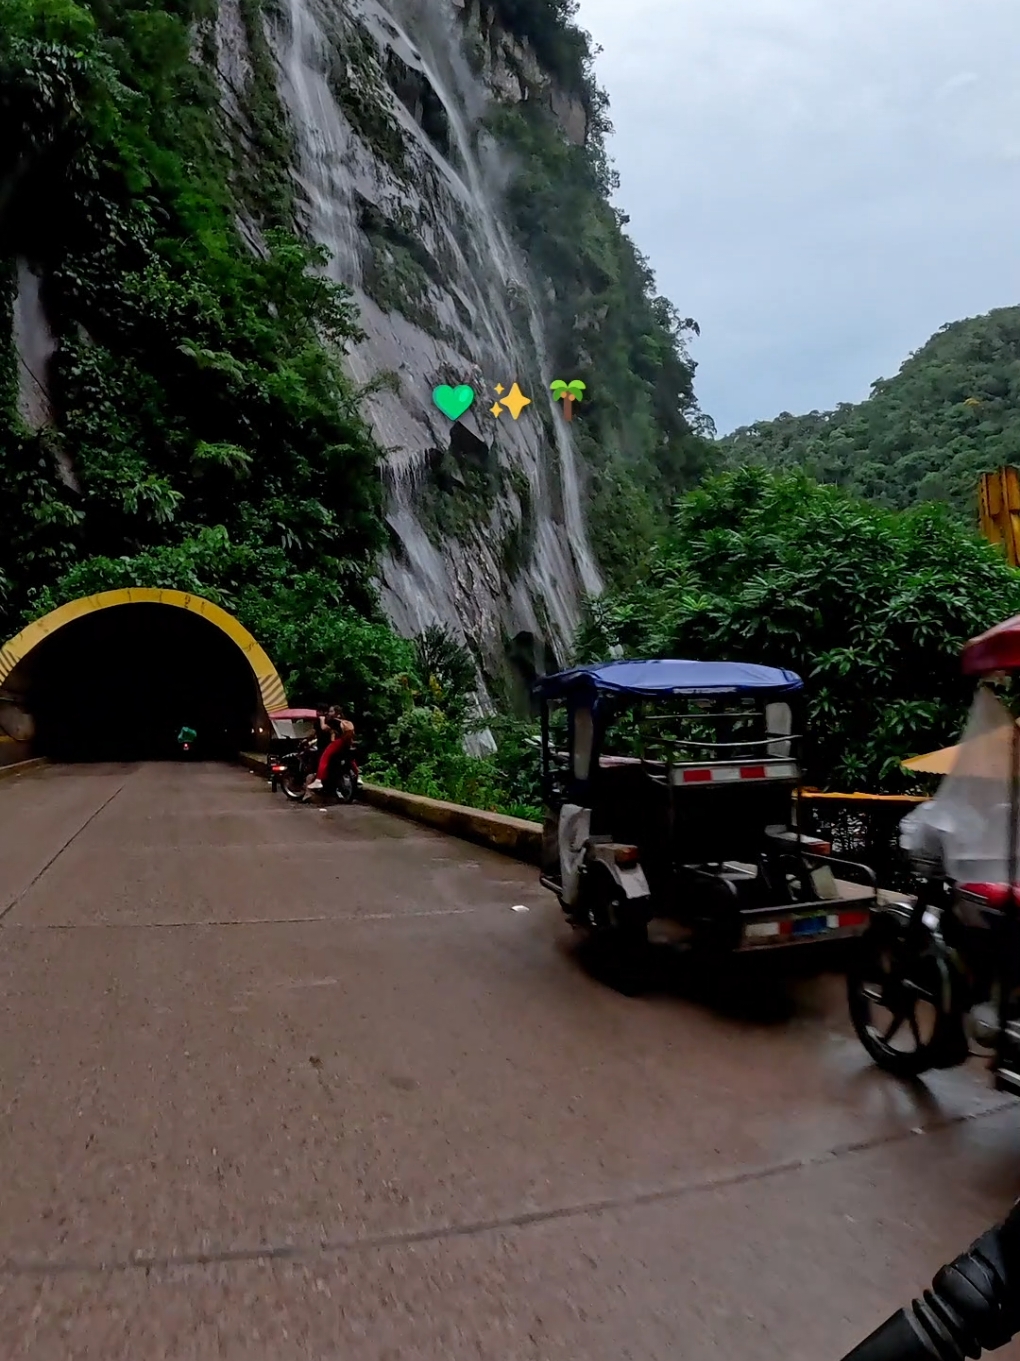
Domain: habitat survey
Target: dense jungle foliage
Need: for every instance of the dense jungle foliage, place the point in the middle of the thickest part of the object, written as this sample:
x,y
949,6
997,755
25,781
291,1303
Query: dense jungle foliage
x,y
869,606
198,382
951,413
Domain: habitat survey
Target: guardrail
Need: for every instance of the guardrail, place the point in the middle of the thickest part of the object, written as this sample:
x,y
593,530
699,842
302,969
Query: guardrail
x,y
20,767
862,827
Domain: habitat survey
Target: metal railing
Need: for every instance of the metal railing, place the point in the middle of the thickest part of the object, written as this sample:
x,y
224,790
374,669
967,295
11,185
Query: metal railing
x,y
861,827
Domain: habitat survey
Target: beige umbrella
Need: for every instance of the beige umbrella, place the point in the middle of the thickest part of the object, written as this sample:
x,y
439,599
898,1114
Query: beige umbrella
x,y
934,763
987,755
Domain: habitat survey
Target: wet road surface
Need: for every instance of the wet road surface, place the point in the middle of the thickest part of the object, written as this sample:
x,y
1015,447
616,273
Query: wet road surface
x,y
279,1083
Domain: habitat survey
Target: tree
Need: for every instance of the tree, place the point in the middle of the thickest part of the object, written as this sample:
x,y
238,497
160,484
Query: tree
x,y
870,607
444,666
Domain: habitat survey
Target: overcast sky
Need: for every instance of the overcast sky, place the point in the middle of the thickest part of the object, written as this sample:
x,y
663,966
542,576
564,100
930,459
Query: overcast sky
x,y
820,183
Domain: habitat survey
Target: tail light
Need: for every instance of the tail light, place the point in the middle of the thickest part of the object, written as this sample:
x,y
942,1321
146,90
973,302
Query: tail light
x,y
278,770
626,855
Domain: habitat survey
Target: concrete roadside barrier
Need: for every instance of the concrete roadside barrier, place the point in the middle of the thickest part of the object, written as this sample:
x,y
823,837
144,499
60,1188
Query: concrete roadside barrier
x,y
498,831
20,767
515,837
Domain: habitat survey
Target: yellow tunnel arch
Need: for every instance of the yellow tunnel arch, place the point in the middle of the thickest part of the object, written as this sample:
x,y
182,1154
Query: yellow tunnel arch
x,y
269,683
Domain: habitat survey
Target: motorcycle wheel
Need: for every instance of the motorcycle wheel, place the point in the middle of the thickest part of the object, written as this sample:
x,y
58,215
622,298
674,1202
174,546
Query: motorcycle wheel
x,y
898,993
293,785
346,787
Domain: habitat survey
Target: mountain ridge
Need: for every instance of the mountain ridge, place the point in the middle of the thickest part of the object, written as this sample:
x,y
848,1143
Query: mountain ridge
x,y
950,413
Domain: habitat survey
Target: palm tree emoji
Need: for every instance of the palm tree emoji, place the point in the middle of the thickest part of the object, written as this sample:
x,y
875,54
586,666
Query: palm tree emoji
x,y
568,394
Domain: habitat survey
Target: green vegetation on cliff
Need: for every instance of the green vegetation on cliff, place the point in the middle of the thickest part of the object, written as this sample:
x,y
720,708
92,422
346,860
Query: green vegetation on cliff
x,y
198,383
204,433
639,430
951,413
205,436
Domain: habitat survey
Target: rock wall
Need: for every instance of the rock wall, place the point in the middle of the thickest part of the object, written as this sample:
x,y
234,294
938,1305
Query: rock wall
x,y
398,178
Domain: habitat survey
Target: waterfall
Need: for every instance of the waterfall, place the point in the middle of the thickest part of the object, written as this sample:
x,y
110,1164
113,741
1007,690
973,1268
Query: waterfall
x,y
35,345
436,198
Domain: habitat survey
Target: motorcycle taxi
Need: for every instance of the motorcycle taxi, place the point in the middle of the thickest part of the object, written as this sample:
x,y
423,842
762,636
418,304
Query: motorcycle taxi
x,y
670,790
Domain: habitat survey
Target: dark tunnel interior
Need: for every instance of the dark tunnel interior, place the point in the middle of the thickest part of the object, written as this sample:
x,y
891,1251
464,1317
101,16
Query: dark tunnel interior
x,y
120,683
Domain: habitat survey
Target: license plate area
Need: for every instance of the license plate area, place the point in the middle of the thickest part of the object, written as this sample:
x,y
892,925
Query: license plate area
x,y
813,926
810,926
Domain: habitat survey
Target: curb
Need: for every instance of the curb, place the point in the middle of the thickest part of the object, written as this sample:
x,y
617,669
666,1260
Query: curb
x,y
515,837
510,836
19,767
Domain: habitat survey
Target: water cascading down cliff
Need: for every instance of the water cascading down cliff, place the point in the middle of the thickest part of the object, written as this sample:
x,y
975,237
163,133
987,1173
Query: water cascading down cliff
x,y
400,182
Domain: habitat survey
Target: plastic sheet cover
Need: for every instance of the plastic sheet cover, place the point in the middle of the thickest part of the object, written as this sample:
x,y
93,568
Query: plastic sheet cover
x,y
967,826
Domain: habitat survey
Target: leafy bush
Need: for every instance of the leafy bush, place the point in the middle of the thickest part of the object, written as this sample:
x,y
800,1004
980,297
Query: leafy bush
x,y
870,606
198,383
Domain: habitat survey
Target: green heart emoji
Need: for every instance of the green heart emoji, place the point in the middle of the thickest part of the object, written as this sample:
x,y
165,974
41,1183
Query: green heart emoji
x,y
453,402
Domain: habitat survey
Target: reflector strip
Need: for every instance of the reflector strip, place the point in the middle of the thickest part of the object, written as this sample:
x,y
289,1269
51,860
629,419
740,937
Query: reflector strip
x,y
761,930
774,770
853,919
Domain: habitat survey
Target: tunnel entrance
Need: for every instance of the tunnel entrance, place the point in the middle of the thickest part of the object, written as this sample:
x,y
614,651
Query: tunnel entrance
x,y
119,683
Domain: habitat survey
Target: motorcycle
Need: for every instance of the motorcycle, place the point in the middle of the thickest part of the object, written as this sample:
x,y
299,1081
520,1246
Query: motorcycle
x,y
973,1305
291,771
938,979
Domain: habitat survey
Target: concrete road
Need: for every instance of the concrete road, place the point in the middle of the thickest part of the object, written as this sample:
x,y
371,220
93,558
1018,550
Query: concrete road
x,y
279,1083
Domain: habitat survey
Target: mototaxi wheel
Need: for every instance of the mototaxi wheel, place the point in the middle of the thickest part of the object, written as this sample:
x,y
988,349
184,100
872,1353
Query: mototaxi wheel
x,y
616,930
900,999
292,782
346,786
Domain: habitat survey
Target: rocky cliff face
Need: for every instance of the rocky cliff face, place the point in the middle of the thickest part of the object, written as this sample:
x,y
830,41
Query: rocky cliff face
x,y
400,181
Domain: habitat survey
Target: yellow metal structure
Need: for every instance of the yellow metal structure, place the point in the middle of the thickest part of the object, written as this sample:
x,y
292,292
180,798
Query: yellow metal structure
x,y
269,683
999,499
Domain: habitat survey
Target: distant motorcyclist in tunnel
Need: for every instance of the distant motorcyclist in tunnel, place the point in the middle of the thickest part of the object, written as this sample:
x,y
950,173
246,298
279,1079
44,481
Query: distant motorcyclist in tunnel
x,y
335,737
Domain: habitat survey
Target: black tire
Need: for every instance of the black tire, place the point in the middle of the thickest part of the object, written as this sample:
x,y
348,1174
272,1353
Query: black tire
x,y
897,993
293,785
617,933
346,786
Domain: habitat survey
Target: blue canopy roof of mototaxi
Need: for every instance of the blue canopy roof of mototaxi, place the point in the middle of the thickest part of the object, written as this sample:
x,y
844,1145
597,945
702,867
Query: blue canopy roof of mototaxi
x,y
670,676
